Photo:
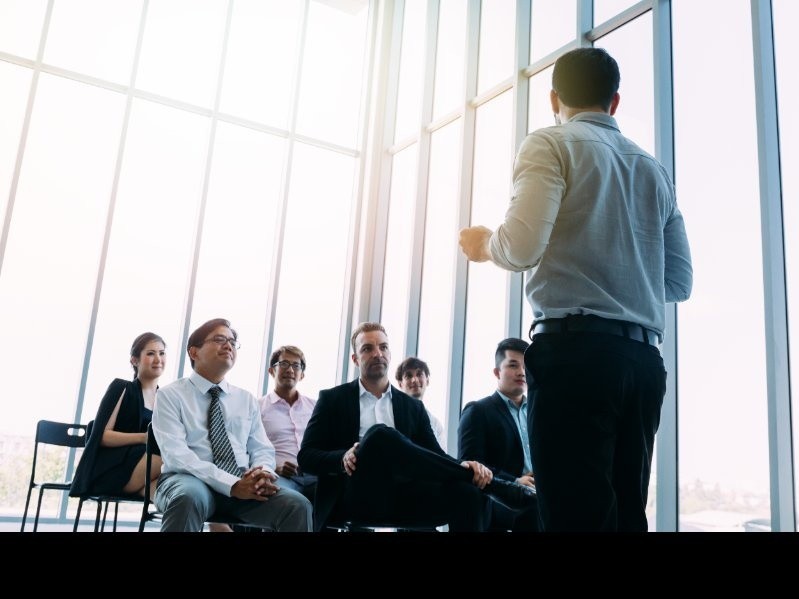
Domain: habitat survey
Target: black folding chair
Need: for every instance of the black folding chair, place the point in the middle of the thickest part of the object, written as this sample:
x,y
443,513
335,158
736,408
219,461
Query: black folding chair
x,y
60,434
103,501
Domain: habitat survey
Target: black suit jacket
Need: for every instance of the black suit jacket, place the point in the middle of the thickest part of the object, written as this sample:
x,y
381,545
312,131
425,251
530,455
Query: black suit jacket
x,y
487,434
333,429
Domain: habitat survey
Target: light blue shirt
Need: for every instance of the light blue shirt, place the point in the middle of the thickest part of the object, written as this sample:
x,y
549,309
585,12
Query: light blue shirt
x,y
180,424
519,416
594,220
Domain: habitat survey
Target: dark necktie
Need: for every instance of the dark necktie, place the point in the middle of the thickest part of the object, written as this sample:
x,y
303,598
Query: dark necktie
x,y
224,458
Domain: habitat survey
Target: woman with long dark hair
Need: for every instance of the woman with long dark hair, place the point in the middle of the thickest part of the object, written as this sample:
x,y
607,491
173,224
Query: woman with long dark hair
x,y
113,462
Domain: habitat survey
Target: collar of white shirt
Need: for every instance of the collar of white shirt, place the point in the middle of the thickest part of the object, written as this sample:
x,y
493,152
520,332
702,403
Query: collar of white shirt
x,y
202,384
365,391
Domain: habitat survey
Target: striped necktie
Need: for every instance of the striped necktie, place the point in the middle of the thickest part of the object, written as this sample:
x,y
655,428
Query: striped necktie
x,y
224,458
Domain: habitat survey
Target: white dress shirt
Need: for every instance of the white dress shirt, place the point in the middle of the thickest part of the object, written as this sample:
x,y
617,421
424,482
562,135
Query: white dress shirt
x,y
438,430
180,424
375,410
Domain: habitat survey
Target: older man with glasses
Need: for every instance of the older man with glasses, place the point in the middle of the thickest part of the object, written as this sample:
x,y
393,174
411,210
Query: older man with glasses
x,y
285,413
218,462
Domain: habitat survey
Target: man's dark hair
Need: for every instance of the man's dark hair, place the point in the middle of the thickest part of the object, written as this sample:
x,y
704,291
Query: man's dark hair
x,y
512,344
586,77
198,336
412,364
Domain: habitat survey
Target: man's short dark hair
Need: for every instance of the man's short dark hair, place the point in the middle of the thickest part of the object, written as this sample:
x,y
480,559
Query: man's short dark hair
x,y
200,333
287,349
586,77
412,364
512,344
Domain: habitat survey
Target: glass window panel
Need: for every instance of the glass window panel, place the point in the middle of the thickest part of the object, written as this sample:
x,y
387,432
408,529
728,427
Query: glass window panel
x,y
554,24
786,14
399,249
723,447
438,269
261,60
409,96
94,37
152,236
487,294
21,24
450,57
314,263
497,35
631,46
540,109
332,73
605,9
15,82
54,243
238,239
185,68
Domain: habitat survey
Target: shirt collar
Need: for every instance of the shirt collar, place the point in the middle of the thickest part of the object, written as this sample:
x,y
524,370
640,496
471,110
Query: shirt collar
x,y
273,398
365,391
204,384
598,118
510,403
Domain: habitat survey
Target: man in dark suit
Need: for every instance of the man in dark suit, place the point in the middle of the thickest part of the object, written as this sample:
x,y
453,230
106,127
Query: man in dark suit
x,y
377,459
493,431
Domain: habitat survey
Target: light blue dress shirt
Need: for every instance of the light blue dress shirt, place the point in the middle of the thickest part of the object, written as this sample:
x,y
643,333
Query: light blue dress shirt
x,y
180,424
519,416
594,219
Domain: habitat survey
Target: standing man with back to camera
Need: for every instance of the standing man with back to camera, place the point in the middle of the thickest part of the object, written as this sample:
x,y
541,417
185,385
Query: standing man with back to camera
x,y
594,219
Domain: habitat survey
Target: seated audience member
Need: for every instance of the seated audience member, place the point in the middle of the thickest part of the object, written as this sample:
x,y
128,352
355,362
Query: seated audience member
x,y
377,458
113,462
285,413
413,376
217,459
493,431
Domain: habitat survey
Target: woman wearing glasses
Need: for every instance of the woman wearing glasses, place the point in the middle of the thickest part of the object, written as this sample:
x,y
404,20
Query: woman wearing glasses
x,y
113,462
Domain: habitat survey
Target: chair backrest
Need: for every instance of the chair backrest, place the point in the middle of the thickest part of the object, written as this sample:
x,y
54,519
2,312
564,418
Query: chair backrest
x,y
61,433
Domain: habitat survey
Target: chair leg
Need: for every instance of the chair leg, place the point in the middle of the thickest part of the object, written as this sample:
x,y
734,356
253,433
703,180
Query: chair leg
x,y
116,513
77,515
38,510
25,513
97,516
105,516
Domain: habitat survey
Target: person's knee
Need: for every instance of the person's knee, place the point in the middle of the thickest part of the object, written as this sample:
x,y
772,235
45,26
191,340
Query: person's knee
x,y
378,436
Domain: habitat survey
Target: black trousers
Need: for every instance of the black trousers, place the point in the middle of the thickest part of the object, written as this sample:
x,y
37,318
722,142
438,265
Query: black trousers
x,y
398,482
596,401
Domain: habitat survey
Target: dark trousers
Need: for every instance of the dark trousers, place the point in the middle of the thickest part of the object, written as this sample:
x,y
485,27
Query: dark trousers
x,y
504,518
398,482
596,402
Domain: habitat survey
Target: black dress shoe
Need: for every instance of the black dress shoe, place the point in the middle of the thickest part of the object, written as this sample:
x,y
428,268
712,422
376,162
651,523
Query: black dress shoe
x,y
512,494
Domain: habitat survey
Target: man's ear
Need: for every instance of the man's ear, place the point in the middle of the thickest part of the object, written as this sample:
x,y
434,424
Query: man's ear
x,y
614,103
496,372
554,101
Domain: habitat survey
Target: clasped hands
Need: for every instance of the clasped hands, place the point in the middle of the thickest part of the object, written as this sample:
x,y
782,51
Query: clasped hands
x,y
256,483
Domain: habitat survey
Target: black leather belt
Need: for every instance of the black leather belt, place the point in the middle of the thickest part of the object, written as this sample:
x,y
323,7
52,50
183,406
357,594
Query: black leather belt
x,y
595,324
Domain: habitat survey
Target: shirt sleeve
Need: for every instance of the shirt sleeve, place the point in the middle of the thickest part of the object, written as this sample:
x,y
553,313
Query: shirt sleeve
x,y
538,187
678,273
170,432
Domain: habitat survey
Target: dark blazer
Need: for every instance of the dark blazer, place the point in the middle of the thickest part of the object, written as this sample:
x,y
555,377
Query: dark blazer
x,y
488,434
96,460
333,429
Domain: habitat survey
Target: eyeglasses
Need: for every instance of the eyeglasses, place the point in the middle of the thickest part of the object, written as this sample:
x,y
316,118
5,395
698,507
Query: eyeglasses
x,y
220,340
285,364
